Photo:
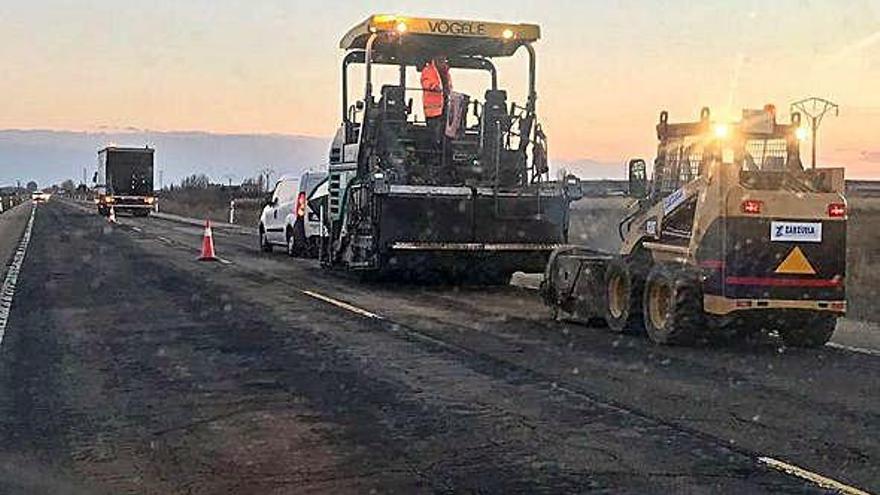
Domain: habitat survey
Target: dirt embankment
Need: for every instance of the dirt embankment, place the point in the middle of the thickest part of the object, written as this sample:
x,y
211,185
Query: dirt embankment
x,y
594,223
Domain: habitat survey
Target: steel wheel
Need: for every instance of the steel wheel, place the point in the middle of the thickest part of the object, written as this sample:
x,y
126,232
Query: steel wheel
x,y
659,302
618,295
622,298
814,330
673,304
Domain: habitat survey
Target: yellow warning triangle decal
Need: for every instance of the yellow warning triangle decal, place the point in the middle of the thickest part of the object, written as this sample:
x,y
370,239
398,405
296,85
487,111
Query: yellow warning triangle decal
x,y
796,264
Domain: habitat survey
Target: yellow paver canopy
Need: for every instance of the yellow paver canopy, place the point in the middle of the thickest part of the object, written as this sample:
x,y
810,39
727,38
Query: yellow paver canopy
x,y
447,36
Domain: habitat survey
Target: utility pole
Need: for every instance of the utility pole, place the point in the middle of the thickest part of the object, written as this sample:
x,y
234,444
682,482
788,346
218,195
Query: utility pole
x,y
815,109
161,179
268,172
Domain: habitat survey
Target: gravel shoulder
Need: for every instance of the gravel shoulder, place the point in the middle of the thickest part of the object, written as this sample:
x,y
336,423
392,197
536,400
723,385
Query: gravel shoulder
x,y
12,225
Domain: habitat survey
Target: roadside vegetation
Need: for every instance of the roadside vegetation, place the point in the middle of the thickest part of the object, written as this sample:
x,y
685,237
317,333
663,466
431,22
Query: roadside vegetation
x,y
197,197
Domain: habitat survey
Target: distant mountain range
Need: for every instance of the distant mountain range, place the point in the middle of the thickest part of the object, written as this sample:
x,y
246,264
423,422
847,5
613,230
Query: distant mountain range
x,y
50,157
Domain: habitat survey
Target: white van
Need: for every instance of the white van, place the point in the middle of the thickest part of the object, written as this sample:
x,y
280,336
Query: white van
x,y
287,218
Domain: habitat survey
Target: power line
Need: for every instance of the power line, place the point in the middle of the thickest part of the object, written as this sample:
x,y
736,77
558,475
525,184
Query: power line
x,y
815,109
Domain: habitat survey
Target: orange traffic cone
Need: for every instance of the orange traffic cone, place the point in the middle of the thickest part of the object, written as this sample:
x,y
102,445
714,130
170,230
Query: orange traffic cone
x,y
112,217
208,244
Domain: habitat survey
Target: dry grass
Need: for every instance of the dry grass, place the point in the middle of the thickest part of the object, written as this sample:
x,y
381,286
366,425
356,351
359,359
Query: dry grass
x,y
212,203
863,258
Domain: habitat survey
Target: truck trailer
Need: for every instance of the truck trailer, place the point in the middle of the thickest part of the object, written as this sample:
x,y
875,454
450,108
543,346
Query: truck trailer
x,y
124,181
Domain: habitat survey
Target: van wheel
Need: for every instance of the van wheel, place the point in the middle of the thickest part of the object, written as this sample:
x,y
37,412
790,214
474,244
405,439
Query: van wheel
x,y
672,305
265,246
809,331
623,311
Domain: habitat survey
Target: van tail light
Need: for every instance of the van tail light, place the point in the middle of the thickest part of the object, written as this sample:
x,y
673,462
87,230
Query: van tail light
x,y
752,206
837,210
301,205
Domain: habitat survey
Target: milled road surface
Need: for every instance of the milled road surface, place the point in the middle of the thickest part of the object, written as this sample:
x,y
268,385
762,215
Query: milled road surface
x,y
128,367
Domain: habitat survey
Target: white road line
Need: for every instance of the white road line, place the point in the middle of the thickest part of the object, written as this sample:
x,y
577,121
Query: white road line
x,y
7,291
224,261
818,479
343,305
860,350
137,229
165,240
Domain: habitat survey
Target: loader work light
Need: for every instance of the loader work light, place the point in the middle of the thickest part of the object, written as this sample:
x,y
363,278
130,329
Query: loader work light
x,y
721,131
802,133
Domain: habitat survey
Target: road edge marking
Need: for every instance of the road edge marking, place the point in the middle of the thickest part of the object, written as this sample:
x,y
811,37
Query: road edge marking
x,y
817,479
343,305
860,350
10,282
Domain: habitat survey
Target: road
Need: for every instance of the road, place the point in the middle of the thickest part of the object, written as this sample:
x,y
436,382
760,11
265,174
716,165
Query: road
x,y
129,367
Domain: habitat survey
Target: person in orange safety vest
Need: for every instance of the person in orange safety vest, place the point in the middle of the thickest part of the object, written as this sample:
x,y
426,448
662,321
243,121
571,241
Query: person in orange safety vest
x,y
436,86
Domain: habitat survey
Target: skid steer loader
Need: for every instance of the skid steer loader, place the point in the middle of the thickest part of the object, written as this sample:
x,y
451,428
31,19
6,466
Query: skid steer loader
x,y
731,236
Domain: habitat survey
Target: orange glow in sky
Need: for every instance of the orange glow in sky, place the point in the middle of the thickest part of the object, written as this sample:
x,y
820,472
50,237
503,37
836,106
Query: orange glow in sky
x,y
605,69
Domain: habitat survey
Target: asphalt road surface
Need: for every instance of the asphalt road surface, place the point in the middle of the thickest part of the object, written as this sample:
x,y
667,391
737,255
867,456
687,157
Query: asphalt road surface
x,y
129,367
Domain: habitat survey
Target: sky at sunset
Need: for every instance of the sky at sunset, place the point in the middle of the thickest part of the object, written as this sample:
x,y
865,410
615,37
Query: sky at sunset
x,y
606,69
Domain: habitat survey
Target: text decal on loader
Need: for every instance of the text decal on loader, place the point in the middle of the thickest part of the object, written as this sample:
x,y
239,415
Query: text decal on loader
x,y
796,232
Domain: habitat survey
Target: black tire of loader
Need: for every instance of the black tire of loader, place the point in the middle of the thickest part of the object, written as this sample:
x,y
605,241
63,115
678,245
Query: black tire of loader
x,y
684,317
809,331
623,311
